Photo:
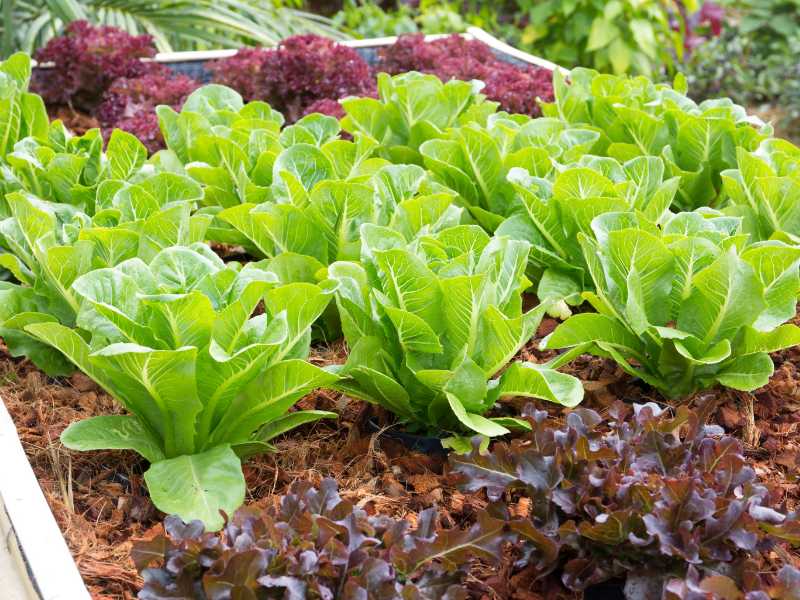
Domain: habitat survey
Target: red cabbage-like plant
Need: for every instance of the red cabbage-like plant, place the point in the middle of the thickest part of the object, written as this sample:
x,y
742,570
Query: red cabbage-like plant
x,y
516,88
130,103
663,499
86,61
315,545
302,70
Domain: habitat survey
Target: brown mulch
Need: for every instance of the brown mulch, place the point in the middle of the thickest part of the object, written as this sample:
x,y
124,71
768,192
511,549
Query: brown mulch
x,y
77,122
100,503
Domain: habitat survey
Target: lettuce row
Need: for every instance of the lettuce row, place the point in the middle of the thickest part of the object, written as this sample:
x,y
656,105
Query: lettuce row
x,y
636,117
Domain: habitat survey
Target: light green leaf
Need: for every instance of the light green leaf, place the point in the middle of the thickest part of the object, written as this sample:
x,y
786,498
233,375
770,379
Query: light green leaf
x,y
529,380
113,432
747,372
198,486
475,422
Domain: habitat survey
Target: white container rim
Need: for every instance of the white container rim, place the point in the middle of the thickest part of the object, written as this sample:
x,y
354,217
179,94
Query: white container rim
x,y
37,557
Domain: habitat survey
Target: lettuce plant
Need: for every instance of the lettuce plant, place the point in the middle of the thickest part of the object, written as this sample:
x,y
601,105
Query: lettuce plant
x,y
315,545
227,146
45,257
429,324
764,189
561,203
204,382
637,117
640,494
412,108
475,159
66,169
685,308
49,245
240,154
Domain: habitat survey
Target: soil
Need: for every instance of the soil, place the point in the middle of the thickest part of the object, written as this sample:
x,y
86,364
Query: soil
x,y
100,503
76,121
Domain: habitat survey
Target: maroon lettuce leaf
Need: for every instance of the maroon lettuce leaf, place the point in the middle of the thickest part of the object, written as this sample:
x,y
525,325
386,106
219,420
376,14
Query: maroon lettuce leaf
x,y
86,61
315,545
517,88
301,71
640,491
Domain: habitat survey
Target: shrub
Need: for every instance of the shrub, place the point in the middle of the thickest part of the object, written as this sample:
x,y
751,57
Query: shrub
x,y
665,500
314,545
302,70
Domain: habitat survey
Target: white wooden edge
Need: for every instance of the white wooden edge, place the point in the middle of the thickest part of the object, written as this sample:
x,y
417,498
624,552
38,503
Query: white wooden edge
x,y
499,45
38,552
475,33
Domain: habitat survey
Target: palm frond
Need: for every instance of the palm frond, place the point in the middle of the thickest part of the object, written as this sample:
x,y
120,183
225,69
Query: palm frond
x,y
174,24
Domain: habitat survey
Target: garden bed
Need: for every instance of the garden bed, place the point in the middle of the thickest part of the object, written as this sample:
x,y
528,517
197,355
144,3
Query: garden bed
x,y
239,291
101,505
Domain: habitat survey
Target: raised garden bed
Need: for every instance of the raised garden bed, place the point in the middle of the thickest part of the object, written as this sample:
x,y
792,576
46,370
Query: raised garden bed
x,y
594,492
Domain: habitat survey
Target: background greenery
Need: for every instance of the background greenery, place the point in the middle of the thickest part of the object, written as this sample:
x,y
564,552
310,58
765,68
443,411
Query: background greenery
x,y
752,59
174,24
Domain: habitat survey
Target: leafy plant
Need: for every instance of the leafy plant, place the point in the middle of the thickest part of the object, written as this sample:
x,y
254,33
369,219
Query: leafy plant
x,y
50,245
685,308
764,189
324,223
636,117
750,62
620,36
205,383
770,18
315,545
514,87
59,167
561,203
412,108
429,324
227,146
660,499
476,159
300,71
86,60
22,113
130,104
365,18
